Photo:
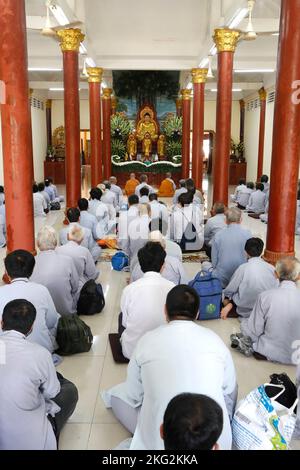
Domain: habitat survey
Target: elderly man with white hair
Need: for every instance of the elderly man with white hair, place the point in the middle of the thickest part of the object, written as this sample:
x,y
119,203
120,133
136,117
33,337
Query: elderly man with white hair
x,y
116,189
274,324
57,272
81,256
173,269
228,247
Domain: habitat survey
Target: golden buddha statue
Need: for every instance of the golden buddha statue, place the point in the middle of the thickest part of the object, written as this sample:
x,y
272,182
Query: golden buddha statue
x,y
131,147
161,147
147,125
147,146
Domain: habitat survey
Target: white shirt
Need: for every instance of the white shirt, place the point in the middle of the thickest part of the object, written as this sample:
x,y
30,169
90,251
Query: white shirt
x,y
178,192
39,205
28,383
45,325
2,230
181,217
100,211
2,198
142,306
244,196
257,202
109,198
142,185
238,189
248,281
173,271
118,191
144,200
179,357
46,197
158,211
59,275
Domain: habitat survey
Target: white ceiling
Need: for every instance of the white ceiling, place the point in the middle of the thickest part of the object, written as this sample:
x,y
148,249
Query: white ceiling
x,y
153,35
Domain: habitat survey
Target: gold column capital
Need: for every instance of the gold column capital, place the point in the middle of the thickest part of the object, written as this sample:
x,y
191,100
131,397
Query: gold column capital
x,y
30,91
114,101
262,94
242,104
107,92
179,103
186,94
48,104
70,39
95,74
226,39
199,75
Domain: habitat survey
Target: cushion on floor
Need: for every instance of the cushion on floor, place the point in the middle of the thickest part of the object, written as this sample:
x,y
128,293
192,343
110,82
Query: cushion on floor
x,y
116,349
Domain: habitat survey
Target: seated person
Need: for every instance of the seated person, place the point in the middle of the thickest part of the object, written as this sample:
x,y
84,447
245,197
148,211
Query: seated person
x,y
19,267
167,187
157,228
241,186
50,189
131,184
116,189
100,211
265,216
2,226
36,402
41,187
56,272
244,196
87,220
187,213
257,200
192,422
73,216
2,196
298,214
296,434
125,218
144,182
173,269
179,356
158,209
182,189
54,188
39,203
142,302
191,188
81,256
137,231
273,325
265,181
249,280
144,195
109,198
214,224
228,247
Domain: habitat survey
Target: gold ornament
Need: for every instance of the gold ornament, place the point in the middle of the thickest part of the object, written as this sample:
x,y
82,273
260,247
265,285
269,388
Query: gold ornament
x,y
70,39
107,93
179,103
199,75
262,94
95,74
226,39
48,104
114,102
242,104
186,94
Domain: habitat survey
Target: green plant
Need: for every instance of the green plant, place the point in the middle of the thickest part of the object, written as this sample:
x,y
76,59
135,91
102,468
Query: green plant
x,y
118,148
173,148
172,127
120,126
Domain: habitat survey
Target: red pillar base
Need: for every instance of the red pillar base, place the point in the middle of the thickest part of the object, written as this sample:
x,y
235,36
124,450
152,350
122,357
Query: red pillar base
x,y
272,257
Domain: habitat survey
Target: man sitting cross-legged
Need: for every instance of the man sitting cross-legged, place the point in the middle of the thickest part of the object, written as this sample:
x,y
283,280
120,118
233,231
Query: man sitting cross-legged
x,y
36,402
178,357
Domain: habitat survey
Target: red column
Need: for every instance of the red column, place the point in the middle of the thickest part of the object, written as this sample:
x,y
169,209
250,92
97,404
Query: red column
x,y
16,127
95,78
242,120
226,40
106,109
186,130
49,122
70,42
286,137
199,79
178,107
262,125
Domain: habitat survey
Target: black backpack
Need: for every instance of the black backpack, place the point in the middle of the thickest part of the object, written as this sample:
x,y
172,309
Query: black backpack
x,y
91,299
73,336
55,206
190,240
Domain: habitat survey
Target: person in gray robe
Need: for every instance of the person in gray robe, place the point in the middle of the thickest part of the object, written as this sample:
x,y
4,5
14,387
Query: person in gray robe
x,y
143,183
244,196
182,189
215,223
73,216
36,401
248,281
56,272
257,200
265,181
19,266
87,220
228,248
116,189
274,325
81,256
100,211
241,186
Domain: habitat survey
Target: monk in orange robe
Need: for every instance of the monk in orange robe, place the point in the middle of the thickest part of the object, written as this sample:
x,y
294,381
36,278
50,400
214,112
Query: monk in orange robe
x,y
131,184
167,187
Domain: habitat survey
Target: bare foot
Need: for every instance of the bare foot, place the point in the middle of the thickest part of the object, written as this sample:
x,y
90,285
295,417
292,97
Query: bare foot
x,y
225,311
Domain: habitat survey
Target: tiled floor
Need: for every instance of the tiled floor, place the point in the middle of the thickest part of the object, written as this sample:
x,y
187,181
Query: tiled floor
x,y
94,427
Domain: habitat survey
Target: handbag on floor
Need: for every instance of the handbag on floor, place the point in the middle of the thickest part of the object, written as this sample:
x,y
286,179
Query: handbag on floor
x,y
119,261
209,290
91,299
73,336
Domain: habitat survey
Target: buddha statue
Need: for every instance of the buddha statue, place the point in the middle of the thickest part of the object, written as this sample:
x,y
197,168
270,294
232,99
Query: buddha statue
x,y
147,146
161,147
147,126
131,147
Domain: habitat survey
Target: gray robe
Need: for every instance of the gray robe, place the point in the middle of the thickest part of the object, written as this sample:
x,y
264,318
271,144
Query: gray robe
x,y
89,221
59,275
257,202
250,280
213,226
274,325
88,240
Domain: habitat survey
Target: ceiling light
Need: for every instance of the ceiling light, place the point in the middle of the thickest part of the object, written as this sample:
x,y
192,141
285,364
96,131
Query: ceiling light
x,y
189,85
82,49
90,62
210,72
59,14
45,69
204,63
238,17
213,50
254,71
275,34
214,90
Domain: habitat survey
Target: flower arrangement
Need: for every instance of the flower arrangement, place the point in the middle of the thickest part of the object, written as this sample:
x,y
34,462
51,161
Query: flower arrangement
x,y
118,147
172,128
120,126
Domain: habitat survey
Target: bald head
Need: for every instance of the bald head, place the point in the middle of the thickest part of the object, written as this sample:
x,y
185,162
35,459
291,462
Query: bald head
x,y
288,269
144,178
132,176
113,180
168,175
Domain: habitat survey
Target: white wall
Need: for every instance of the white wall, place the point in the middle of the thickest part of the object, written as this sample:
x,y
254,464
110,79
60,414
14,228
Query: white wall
x,y
210,118
58,114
